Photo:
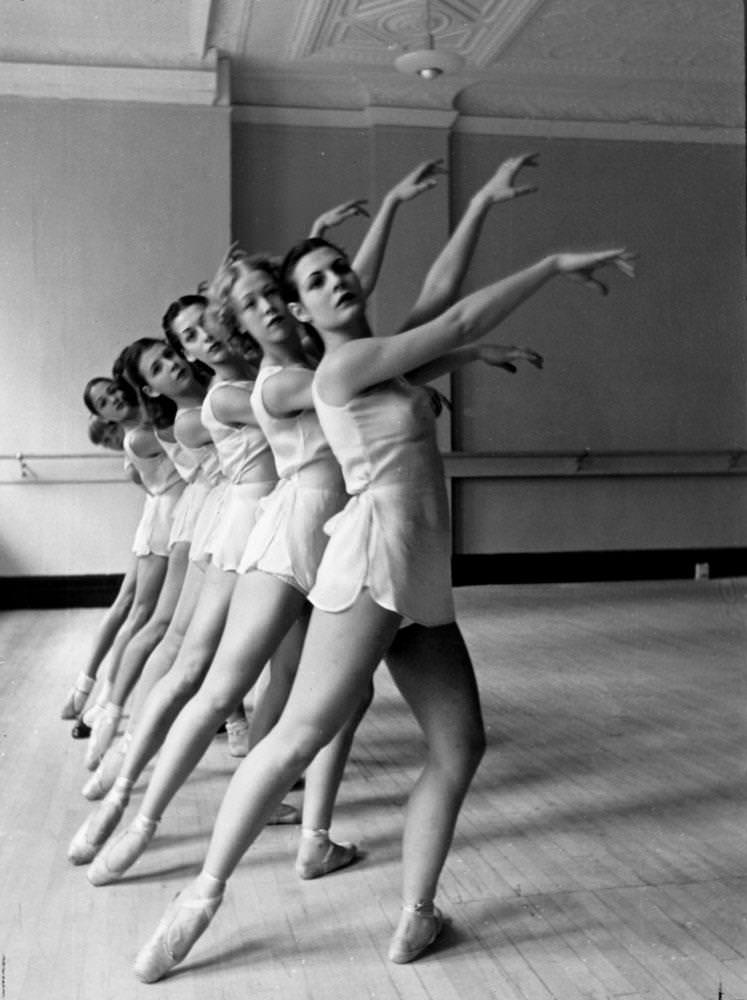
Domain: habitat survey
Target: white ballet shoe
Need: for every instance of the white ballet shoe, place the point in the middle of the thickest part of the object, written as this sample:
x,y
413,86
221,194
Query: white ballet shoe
x,y
122,853
90,714
81,850
77,697
318,855
95,831
238,737
103,731
108,770
185,920
419,926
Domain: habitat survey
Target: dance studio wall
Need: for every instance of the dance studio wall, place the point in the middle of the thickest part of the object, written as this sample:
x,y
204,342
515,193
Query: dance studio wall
x,y
107,213
631,381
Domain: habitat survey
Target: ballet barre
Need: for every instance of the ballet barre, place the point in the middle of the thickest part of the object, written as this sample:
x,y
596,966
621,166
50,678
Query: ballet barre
x,y
37,468
90,467
587,463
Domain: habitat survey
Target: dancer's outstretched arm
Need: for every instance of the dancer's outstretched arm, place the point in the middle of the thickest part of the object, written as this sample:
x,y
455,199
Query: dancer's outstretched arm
x,y
442,283
369,360
369,258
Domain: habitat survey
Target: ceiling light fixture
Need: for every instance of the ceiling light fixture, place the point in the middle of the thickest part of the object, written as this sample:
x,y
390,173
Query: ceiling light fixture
x,y
428,62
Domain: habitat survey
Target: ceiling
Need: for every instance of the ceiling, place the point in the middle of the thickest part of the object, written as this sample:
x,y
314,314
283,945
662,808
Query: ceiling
x,y
662,61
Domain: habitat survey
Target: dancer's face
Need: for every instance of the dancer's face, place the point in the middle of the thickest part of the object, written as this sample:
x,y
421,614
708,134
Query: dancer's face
x,y
260,308
109,401
329,293
164,371
200,343
112,437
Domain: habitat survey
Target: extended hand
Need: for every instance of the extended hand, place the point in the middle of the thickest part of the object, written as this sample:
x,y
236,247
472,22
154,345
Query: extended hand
x,y
501,185
337,215
583,266
500,356
422,178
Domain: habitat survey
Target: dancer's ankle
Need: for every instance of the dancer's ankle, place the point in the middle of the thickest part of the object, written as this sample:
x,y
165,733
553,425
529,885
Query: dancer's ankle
x,y
423,908
121,789
207,886
84,683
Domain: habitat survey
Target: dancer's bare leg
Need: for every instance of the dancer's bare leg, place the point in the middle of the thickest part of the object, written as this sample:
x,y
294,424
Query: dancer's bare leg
x,y
245,646
340,655
151,571
104,638
166,626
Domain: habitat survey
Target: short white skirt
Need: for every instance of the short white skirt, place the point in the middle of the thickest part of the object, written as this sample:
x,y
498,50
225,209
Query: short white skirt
x,y
238,515
207,523
395,541
187,510
289,539
153,533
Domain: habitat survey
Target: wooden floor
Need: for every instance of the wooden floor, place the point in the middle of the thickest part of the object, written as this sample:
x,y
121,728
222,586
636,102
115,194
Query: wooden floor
x,y
602,851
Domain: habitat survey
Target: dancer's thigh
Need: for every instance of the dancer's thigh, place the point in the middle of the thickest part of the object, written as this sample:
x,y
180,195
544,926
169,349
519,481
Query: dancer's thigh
x,y
340,654
261,611
433,671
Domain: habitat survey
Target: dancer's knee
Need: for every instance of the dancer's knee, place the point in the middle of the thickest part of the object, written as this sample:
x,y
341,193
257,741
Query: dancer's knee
x,y
300,742
459,758
218,700
150,634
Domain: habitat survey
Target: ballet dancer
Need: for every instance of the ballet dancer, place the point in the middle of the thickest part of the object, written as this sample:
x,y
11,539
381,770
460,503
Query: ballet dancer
x,y
105,434
180,435
113,400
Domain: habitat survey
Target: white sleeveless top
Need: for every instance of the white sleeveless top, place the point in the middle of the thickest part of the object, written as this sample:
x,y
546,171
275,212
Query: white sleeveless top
x,y
297,441
241,449
288,539
205,456
158,473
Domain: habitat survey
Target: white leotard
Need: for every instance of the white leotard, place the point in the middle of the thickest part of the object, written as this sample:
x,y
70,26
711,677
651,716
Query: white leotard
x,y
164,487
393,536
246,461
288,539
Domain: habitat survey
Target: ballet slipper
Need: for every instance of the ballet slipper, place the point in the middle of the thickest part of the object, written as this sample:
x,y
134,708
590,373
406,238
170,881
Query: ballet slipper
x,y
80,730
185,919
77,697
285,815
95,831
103,731
122,852
318,855
89,716
419,926
238,738
106,773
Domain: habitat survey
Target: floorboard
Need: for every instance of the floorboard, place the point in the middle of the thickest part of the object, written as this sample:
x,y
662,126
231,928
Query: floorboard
x,y
601,853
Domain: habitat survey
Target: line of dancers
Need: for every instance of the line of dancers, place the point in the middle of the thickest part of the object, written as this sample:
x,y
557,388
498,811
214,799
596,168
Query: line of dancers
x,y
295,534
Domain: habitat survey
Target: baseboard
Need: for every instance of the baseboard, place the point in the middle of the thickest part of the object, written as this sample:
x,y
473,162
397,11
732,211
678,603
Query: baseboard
x,y
578,567
58,591
467,570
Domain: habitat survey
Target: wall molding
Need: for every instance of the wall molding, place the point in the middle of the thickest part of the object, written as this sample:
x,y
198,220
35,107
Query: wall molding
x,y
484,125
203,86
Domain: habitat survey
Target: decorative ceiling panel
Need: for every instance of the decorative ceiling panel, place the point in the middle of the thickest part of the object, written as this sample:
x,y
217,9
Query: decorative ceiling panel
x,y
666,38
